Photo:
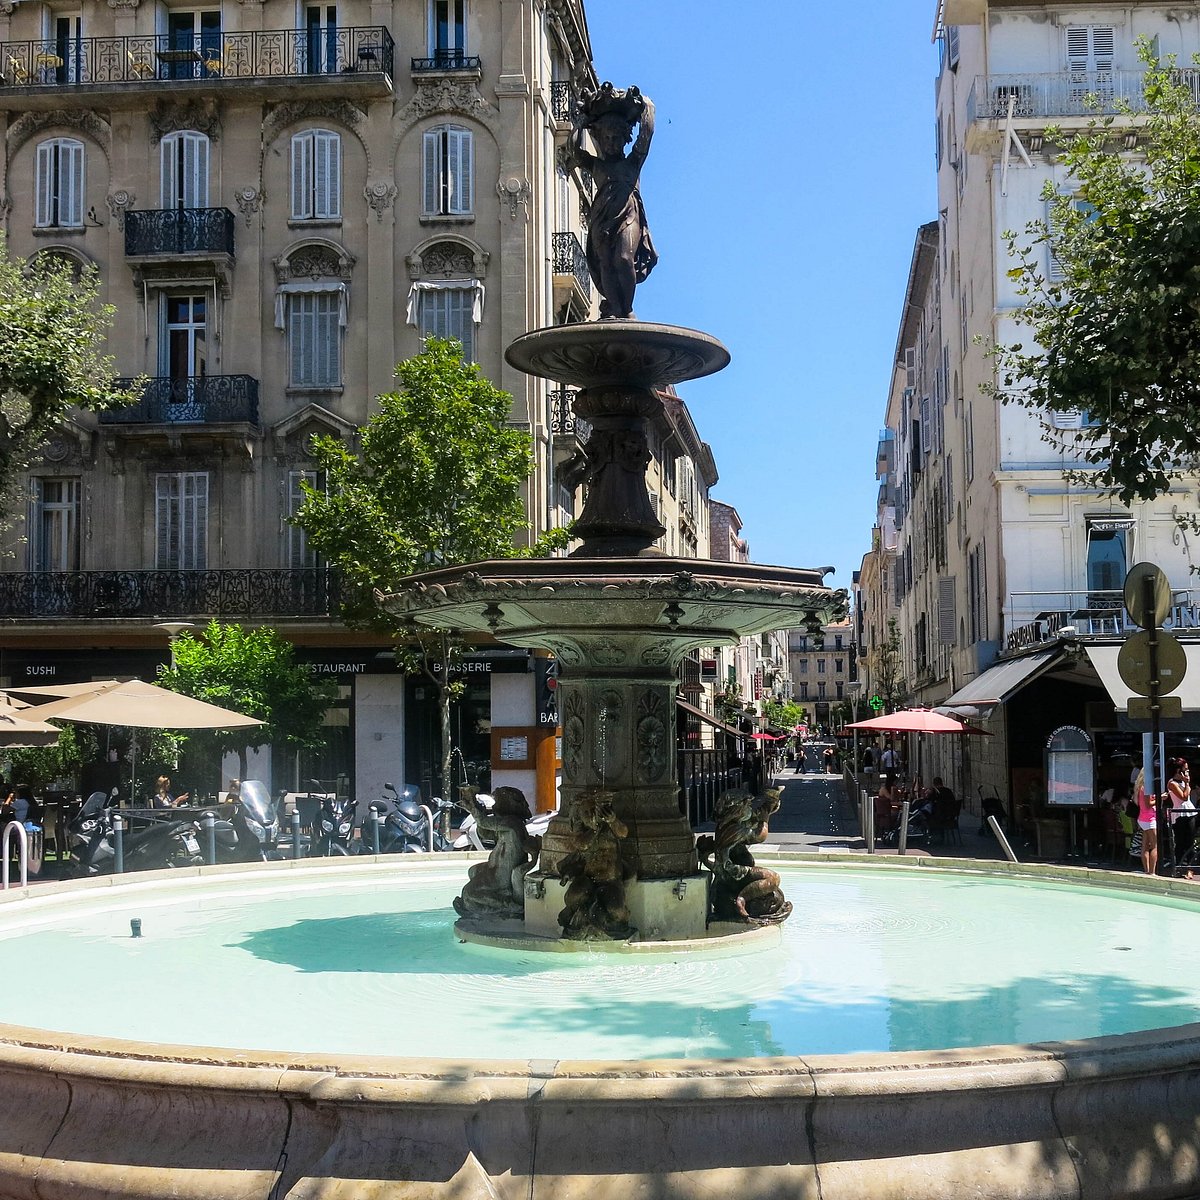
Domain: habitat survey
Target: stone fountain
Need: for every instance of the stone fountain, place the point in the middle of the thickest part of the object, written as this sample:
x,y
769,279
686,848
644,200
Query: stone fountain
x,y
619,614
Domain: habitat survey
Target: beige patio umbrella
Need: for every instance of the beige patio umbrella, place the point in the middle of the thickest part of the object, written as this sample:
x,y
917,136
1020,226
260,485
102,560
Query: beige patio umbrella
x,y
18,732
136,704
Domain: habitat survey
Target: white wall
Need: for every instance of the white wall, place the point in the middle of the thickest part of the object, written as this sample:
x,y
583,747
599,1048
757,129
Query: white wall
x,y
378,734
513,704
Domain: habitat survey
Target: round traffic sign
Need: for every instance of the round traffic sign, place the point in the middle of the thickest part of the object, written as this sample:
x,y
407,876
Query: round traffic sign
x,y
1147,595
1133,663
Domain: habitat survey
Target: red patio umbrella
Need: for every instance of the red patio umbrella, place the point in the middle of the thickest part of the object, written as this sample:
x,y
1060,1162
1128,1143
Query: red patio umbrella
x,y
916,720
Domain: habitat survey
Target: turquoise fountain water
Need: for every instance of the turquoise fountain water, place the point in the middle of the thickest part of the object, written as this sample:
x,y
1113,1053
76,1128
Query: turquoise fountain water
x,y
874,960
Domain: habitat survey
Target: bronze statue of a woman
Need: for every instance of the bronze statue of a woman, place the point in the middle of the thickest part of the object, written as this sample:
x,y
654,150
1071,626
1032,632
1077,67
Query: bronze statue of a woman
x,y
620,253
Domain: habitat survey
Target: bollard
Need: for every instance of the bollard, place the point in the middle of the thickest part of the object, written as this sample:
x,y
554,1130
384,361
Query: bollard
x,y
135,927
902,843
376,824
1008,850
118,843
209,821
296,833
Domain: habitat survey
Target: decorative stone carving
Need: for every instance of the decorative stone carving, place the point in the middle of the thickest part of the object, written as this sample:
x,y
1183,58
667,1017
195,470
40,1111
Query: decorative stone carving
x,y
607,653
653,738
446,94
119,203
594,907
380,196
742,891
496,888
169,116
7,7
249,200
516,194
448,259
82,120
574,736
314,259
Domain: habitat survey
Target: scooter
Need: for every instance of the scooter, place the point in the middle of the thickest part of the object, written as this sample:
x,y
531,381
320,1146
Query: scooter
x,y
335,826
407,826
158,845
469,837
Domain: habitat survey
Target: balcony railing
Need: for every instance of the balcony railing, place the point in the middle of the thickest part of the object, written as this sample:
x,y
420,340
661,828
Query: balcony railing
x,y
1065,94
178,231
570,259
448,60
195,400
563,421
315,592
561,96
1036,617
212,56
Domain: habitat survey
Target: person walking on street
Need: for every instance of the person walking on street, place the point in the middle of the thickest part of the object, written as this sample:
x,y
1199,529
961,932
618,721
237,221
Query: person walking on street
x,y
1147,821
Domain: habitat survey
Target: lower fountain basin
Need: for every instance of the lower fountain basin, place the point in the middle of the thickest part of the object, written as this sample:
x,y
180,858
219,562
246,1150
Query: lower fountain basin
x,y
138,1099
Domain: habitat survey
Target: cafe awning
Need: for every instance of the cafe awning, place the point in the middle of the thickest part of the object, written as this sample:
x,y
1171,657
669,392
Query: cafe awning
x,y
708,718
1104,659
997,683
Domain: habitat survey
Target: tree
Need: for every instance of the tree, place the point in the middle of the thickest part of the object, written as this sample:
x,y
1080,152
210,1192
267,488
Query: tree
x,y
888,670
782,714
437,483
51,329
1116,333
252,671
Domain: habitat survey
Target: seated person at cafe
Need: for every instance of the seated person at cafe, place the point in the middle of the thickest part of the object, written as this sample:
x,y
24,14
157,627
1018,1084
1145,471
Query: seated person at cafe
x,y
163,796
944,806
885,805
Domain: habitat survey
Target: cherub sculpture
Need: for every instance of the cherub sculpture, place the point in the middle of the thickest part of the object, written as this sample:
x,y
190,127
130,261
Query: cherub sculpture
x,y
594,905
620,253
742,891
496,888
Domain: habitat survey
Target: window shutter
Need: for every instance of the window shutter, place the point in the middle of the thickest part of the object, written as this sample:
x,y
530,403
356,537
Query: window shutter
x,y
300,336
433,171
195,168
952,47
170,195
1067,419
194,522
947,611
1077,48
302,173
458,171
44,185
1103,47
70,200
327,166
166,526
926,425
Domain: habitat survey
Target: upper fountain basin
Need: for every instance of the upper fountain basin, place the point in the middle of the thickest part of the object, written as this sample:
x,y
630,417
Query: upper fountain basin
x,y
594,354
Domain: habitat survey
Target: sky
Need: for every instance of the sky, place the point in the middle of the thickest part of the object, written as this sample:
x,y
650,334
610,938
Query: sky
x,y
792,163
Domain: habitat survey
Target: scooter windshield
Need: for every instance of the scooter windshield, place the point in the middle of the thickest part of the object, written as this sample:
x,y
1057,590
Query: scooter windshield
x,y
256,800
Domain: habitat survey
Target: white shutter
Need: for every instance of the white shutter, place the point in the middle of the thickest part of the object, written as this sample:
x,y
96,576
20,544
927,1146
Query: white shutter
x,y
169,154
947,611
926,425
1078,47
327,168
1070,418
71,184
952,47
166,524
302,173
44,186
433,172
300,335
194,522
458,171
195,170
1103,47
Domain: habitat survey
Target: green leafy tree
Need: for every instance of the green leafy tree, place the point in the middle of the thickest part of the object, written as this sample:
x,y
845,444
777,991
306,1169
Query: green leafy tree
x,y
39,766
1116,334
252,671
783,714
888,669
52,328
437,482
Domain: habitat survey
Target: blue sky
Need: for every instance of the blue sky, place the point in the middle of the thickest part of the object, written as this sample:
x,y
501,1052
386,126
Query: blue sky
x,y
791,165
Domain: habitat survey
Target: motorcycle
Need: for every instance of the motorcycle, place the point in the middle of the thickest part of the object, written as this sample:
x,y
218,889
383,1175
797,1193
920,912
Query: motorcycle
x,y
469,837
406,825
335,826
160,844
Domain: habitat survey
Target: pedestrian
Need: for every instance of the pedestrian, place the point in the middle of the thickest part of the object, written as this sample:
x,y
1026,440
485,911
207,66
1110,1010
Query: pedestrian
x,y
890,760
1147,822
1183,808
829,758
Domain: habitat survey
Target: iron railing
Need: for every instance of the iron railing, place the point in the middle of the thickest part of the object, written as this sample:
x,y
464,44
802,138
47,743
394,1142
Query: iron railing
x,y
1064,94
178,231
211,56
1035,617
562,415
448,60
197,400
561,96
570,259
314,592
704,774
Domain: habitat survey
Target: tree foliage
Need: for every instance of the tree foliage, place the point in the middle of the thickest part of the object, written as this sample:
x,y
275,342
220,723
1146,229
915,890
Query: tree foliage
x,y
252,671
783,714
1116,335
52,328
888,669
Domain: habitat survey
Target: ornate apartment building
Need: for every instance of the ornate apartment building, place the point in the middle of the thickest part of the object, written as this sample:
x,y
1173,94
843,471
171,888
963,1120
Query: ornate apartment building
x,y
281,201
1002,570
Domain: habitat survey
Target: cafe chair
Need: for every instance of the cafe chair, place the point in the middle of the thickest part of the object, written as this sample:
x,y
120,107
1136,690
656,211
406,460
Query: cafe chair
x,y
944,823
212,66
17,70
140,68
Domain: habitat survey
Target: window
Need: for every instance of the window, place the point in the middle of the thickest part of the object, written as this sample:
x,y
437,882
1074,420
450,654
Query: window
x,y
804,666
68,49
181,521
449,313
448,29
1107,555
54,525
316,176
449,171
820,691
299,556
314,338
804,691
321,40
820,666
837,666
1090,60
193,46
185,170
59,185
184,352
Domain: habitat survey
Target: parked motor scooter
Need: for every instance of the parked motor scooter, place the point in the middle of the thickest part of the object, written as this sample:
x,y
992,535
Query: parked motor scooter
x,y
157,845
407,825
335,826
469,837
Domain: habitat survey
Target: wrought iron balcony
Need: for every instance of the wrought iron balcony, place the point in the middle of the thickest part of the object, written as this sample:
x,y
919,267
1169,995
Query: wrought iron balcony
x,y
212,56
563,421
448,60
194,400
178,231
570,259
1064,94
315,592
561,95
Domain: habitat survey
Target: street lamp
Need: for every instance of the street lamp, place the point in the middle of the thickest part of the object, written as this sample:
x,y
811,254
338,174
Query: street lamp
x,y
173,629
853,687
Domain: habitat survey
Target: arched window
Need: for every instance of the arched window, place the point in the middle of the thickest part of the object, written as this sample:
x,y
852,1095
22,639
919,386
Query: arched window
x,y
311,306
316,175
447,300
449,157
185,170
59,184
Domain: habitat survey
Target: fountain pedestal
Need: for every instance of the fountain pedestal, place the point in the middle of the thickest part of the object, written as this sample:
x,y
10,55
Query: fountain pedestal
x,y
619,615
